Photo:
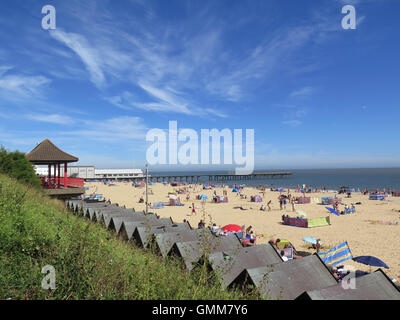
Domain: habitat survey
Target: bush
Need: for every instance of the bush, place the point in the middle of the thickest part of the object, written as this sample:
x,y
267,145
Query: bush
x,y
16,165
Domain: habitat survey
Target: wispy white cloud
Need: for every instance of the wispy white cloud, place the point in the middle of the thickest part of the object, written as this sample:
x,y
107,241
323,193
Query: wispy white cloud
x,y
89,56
19,86
117,129
305,91
50,118
292,123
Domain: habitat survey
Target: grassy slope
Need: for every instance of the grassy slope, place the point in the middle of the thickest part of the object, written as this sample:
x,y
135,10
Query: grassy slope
x,y
90,262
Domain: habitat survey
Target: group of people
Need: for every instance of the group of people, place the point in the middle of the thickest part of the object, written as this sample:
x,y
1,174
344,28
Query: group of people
x,y
285,199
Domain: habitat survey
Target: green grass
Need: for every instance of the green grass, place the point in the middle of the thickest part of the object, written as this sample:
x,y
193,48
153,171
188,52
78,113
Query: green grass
x,y
90,262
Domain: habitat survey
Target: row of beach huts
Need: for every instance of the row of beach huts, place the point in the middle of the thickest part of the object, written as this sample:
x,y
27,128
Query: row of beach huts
x,y
260,265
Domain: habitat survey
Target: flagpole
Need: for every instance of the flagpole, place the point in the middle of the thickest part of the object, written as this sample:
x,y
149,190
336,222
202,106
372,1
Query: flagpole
x,y
147,182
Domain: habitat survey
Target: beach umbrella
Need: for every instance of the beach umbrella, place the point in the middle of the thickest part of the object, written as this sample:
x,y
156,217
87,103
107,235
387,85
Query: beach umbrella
x,y
233,228
371,261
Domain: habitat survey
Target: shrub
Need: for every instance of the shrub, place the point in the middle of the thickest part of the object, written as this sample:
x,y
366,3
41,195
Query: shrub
x,y
16,165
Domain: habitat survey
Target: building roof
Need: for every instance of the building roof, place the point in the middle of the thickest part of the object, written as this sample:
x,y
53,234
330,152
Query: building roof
x,y
143,235
47,152
128,227
373,286
287,280
192,251
230,264
165,241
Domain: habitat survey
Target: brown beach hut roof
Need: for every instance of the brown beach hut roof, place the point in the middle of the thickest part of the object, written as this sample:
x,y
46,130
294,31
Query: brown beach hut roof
x,y
47,152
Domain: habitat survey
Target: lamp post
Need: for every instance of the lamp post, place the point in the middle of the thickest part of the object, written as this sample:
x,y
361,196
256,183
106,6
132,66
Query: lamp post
x,y
147,182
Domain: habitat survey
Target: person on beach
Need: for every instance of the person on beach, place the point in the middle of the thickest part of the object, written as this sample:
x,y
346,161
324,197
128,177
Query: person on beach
x,y
293,202
269,205
317,245
193,209
214,228
201,224
274,243
252,237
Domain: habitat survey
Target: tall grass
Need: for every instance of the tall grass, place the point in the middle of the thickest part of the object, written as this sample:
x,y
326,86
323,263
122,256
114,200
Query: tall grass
x,y
90,262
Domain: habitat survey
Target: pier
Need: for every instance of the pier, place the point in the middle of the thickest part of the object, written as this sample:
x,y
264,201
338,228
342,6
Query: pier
x,y
195,178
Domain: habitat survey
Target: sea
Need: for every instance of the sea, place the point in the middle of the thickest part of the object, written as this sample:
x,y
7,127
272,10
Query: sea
x,y
331,179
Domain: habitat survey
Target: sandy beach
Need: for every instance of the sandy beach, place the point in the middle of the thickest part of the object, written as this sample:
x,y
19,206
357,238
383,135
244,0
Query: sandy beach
x,y
364,231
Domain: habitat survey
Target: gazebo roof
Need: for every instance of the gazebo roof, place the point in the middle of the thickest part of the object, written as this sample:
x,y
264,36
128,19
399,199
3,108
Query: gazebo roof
x,y
46,152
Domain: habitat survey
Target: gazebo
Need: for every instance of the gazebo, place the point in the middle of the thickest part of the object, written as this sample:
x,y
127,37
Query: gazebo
x,y
46,153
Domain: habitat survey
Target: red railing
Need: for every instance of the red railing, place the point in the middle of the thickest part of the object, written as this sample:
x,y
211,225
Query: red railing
x,y
55,183
75,182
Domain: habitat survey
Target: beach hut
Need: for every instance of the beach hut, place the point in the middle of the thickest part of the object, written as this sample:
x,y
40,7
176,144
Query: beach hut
x,y
192,251
287,280
166,241
144,235
232,264
373,286
306,223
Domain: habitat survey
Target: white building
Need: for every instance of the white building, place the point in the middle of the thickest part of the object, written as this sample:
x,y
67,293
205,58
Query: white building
x,y
118,173
89,172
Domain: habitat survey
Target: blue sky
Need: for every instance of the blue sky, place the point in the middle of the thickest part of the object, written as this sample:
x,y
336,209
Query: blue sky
x,y
317,96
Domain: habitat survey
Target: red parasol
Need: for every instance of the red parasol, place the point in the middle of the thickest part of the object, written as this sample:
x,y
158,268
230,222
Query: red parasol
x,y
232,228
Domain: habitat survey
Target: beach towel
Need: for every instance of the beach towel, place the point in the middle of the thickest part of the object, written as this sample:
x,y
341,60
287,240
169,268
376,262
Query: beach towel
x,y
337,254
311,240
